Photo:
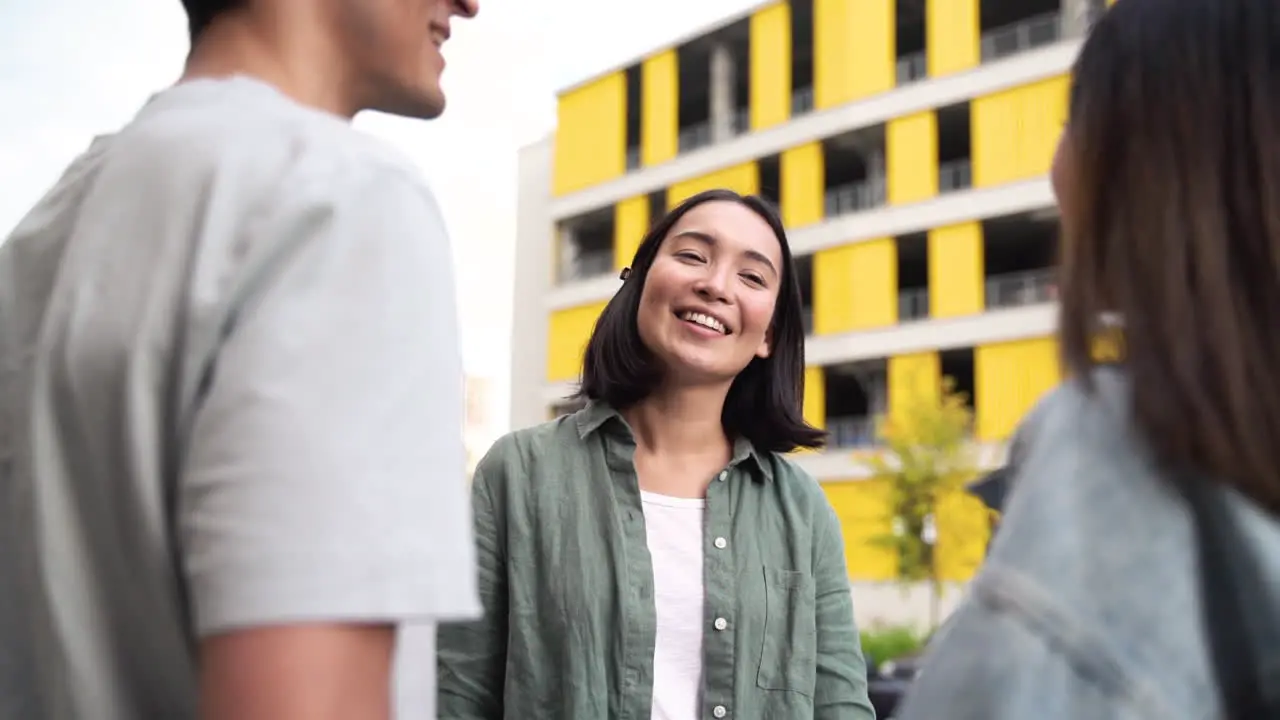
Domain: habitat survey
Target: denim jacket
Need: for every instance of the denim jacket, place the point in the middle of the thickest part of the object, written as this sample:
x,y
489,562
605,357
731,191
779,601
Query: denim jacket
x,y
1088,606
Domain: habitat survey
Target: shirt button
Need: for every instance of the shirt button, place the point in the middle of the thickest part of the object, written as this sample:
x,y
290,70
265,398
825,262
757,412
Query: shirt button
x,y
724,475
721,543
721,623
719,711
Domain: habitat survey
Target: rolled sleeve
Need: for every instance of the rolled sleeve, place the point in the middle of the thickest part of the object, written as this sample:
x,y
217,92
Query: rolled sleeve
x,y
324,475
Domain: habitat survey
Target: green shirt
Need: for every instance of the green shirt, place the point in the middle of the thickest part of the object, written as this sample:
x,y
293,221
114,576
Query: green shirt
x,y
567,586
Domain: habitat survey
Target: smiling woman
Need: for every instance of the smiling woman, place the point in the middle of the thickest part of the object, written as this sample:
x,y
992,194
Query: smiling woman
x,y
653,555
724,257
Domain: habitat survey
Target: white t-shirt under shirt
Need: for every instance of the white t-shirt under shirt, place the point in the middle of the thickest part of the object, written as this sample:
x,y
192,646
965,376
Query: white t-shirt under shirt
x,y
230,395
674,528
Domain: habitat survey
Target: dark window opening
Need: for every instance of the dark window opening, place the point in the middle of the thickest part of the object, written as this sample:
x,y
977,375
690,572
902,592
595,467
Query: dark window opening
x,y
633,117
955,165
586,246
657,206
804,277
694,114
856,394
958,366
801,56
853,179
771,180
910,41
1019,253
913,277
1010,27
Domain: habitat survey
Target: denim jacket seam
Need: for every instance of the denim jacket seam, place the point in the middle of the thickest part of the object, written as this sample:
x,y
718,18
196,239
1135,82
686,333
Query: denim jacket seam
x,y
1007,591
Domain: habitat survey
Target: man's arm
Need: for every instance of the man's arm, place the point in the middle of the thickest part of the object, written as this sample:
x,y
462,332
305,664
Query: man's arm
x,y
841,691
322,499
305,671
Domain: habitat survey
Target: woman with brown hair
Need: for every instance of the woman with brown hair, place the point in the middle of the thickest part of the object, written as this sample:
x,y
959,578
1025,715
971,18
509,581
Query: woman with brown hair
x,y
1138,563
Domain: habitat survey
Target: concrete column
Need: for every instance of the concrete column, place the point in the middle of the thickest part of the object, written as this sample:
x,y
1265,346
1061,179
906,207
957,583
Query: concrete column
x,y
722,89
1078,16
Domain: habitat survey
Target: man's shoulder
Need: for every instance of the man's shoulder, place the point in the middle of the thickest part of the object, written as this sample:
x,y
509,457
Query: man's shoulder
x,y
243,133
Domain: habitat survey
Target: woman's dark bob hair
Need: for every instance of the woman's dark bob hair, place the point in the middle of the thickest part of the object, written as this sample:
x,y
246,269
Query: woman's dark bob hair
x,y
1171,221
764,401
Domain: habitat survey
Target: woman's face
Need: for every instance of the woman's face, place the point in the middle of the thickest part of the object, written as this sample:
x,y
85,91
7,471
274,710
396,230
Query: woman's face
x,y
1063,175
708,299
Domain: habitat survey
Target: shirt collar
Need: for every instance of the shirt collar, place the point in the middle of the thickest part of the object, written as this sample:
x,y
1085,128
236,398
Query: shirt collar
x,y
597,414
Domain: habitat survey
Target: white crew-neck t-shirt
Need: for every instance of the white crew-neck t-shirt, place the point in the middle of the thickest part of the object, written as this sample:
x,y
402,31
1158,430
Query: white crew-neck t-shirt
x,y
674,528
231,395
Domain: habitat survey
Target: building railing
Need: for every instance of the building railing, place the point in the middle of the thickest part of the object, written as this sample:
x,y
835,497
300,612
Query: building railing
x,y
955,175
806,318
801,101
912,68
693,137
633,158
854,197
741,121
913,304
851,432
1022,288
587,264
1021,36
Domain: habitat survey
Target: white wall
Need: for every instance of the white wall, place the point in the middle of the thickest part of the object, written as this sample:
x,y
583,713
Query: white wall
x,y
533,274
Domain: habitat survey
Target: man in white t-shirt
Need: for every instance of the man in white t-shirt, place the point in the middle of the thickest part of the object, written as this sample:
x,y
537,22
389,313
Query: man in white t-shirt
x,y
231,457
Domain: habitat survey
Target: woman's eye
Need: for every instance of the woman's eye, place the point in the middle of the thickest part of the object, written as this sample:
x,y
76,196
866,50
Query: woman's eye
x,y
692,256
753,278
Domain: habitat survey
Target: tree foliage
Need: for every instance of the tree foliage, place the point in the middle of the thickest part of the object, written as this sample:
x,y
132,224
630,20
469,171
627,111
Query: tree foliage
x,y
927,459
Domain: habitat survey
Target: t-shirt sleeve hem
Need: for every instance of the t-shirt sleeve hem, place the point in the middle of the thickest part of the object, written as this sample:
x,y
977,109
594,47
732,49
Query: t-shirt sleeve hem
x,y
336,590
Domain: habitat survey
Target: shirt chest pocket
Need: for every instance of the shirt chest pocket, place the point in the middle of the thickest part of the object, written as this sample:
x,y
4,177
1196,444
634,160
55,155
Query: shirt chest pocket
x,y
788,658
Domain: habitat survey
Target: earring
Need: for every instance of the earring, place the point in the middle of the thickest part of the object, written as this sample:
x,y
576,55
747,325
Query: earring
x,y
626,273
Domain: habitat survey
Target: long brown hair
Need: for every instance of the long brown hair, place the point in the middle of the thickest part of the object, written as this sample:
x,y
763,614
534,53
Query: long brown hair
x,y
1172,221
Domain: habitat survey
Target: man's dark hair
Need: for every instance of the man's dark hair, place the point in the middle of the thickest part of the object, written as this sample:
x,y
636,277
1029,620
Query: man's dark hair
x,y
764,401
202,12
1172,223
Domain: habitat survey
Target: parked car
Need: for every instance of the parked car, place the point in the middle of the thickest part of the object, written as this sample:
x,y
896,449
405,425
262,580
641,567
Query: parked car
x,y
887,682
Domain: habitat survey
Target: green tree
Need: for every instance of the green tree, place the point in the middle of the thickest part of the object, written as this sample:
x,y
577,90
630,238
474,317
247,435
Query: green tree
x,y
926,457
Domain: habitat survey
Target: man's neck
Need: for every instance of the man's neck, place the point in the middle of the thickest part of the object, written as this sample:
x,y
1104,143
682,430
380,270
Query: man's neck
x,y
291,54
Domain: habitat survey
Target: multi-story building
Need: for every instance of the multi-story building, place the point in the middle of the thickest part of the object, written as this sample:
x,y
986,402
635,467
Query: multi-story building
x,y
907,143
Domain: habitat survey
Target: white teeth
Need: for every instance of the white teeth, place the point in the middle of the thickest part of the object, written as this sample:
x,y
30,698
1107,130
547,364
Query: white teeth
x,y
705,321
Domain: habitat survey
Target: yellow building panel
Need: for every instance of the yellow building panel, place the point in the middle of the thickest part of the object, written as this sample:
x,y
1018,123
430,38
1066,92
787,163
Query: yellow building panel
x,y
659,108
956,284
963,525
744,179
630,223
1044,114
952,36
994,132
1008,380
855,287
912,157
853,50
567,334
815,396
801,177
863,507
770,99
1015,131
591,134
913,379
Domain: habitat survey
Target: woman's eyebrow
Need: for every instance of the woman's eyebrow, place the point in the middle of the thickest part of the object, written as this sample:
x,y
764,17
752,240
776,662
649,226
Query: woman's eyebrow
x,y
709,239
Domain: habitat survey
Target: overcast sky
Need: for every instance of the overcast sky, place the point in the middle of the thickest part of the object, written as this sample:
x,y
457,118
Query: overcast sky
x,y
72,69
